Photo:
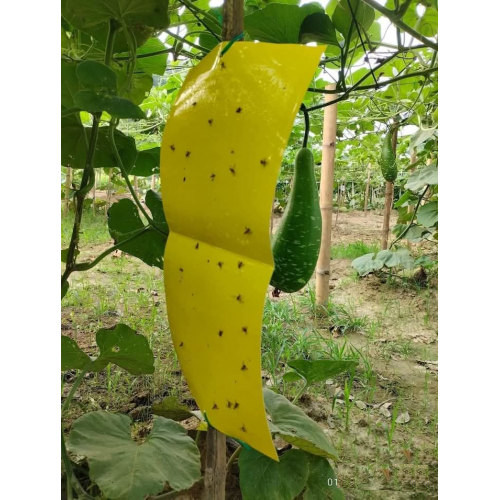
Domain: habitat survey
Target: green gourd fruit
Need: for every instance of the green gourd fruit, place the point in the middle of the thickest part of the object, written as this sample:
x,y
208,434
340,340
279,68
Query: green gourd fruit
x,y
297,241
388,164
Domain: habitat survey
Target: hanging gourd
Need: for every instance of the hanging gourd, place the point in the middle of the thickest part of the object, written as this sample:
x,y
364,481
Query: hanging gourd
x,y
220,158
388,164
297,241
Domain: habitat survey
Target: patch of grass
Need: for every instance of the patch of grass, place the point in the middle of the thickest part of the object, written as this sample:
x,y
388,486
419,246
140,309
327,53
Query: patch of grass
x,y
94,229
352,250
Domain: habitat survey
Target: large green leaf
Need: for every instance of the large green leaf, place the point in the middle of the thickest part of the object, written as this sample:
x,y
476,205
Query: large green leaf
x,y
124,347
322,481
318,370
342,17
422,177
147,163
69,84
92,13
261,478
421,136
93,75
152,65
124,222
72,357
126,470
154,203
366,264
427,214
318,27
295,427
137,89
74,146
279,23
94,102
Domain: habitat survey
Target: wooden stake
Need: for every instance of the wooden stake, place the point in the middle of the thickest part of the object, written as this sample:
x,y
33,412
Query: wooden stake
x,y
367,189
215,464
67,189
325,198
389,191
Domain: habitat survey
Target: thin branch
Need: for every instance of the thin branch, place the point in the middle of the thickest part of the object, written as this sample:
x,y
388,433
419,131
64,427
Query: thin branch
x,y
306,122
194,45
85,266
420,198
396,20
191,8
375,86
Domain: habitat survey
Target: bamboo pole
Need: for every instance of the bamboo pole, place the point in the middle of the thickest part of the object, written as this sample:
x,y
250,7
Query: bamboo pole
x,y
67,189
215,464
367,190
325,198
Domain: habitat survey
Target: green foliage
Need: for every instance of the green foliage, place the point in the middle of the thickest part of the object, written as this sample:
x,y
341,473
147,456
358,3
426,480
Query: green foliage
x,y
319,370
124,469
144,241
295,427
71,355
171,408
352,250
370,263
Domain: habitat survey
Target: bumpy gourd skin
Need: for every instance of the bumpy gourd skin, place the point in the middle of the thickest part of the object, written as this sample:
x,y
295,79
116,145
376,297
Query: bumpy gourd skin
x,y
297,242
388,164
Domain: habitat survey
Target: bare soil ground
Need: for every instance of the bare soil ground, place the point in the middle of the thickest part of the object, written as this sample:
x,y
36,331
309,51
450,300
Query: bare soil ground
x,y
389,448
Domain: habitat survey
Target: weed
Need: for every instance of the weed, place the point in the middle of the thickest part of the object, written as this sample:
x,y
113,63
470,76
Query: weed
x,y
352,250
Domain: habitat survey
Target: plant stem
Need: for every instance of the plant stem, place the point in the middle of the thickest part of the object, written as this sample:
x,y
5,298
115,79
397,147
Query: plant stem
x,y
396,20
306,122
296,398
232,458
74,387
420,198
85,186
113,124
85,266
184,40
67,468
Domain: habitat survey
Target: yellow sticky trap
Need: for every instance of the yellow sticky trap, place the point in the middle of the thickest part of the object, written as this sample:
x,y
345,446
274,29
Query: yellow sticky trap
x,y
220,158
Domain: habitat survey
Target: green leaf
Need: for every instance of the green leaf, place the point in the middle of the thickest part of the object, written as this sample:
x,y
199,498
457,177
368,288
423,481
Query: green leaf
x,y
295,427
319,28
147,163
124,222
292,376
152,65
427,214
72,357
404,200
171,408
91,101
154,203
69,84
126,470
428,24
342,17
208,41
321,369
124,347
422,177
261,478
322,481
406,261
278,23
104,157
416,234
138,89
366,264
64,289
421,136
96,76
92,13
388,258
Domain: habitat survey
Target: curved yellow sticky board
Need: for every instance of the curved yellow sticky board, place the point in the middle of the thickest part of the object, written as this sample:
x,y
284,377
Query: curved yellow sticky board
x,y
220,158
